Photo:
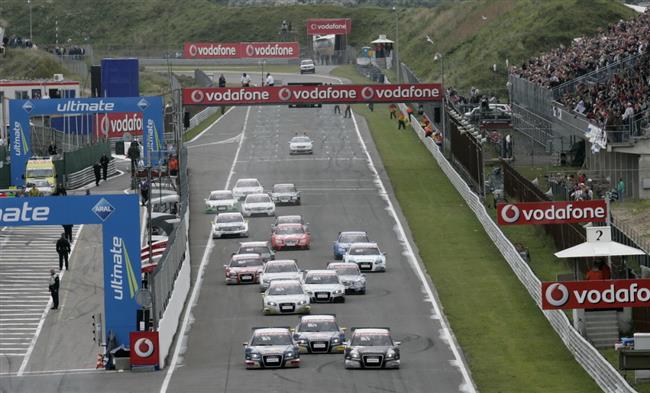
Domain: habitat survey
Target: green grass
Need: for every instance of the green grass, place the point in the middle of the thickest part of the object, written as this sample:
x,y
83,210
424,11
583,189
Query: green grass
x,y
201,126
509,345
31,64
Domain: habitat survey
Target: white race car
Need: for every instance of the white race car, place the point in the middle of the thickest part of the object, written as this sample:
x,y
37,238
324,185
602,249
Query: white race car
x,y
258,204
324,286
285,297
285,193
351,277
244,187
280,269
301,144
221,201
367,255
229,224
306,66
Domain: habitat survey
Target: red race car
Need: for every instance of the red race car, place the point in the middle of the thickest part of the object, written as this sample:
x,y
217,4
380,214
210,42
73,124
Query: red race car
x,y
290,236
244,269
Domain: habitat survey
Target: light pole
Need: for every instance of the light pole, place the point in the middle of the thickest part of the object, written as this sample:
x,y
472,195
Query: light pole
x,y
397,62
31,38
438,56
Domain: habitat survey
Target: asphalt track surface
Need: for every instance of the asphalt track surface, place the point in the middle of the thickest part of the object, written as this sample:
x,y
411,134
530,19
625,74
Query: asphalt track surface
x,y
338,193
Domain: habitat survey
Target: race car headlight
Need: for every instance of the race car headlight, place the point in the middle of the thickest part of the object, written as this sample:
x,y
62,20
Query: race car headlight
x,y
335,340
271,304
302,341
390,354
255,356
310,293
289,355
338,291
302,302
354,354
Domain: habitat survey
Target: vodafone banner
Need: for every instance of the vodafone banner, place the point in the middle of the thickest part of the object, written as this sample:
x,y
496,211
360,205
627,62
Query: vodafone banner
x,y
241,50
561,212
323,94
329,26
202,50
115,125
595,294
145,350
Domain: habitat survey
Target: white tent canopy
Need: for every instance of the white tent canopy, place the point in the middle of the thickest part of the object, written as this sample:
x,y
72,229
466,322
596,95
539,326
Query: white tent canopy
x,y
382,40
598,249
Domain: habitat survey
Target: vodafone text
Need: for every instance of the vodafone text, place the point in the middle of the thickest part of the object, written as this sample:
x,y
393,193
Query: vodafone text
x,y
595,294
215,50
552,212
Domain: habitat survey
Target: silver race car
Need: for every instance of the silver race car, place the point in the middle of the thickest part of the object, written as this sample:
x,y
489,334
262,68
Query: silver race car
x,y
285,297
285,193
351,277
257,247
271,348
244,187
372,348
221,201
229,224
281,269
258,204
324,286
367,255
301,144
319,334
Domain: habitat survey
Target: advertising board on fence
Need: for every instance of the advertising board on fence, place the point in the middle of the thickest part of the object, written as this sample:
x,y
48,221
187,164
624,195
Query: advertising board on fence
x,y
241,50
115,125
566,295
312,94
329,26
560,212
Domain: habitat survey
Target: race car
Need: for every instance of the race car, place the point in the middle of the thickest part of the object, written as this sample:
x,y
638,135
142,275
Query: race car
x,y
290,236
229,224
319,334
292,219
324,286
271,348
244,187
285,193
258,247
281,269
372,348
255,204
368,256
243,269
285,297
221,201
307,65
350,276
344,240
301,144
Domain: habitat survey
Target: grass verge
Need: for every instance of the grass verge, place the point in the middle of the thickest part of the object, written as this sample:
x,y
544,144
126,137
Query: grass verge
x,y
201,126
509,345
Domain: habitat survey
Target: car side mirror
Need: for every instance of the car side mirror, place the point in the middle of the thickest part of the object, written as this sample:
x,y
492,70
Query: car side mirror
x,y
384,254
397,343
245,344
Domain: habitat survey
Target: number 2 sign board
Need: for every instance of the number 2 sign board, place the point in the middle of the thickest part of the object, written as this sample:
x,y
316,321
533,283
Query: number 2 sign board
x,y
599,234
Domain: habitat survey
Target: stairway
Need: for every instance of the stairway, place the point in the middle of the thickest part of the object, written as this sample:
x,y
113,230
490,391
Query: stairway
x,y
601,328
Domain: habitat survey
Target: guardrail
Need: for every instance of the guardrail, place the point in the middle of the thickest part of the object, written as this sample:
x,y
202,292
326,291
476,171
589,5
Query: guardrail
x,y
86,176
600,370
204,114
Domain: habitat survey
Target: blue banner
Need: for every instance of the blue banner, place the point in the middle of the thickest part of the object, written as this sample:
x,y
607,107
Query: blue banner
x,y
119,216
21,110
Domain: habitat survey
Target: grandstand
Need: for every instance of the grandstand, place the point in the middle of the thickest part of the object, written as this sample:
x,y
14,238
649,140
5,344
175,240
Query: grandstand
x,y
597,89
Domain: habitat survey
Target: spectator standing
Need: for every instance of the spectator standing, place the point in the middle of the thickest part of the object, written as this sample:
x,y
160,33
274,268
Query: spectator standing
x,y
245,80
97,168
67,232
172,165
63,249
60,190
409,111
348,111
420,110
52,149
401,121
337,109
595,273
269,80
222,81
144,192
104,160
392,108
134,154
54,288
620,189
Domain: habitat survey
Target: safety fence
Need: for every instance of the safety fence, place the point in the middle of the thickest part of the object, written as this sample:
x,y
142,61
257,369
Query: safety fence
x,y
603,373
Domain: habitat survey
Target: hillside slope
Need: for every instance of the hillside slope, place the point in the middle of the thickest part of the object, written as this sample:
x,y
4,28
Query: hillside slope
x,y
472,34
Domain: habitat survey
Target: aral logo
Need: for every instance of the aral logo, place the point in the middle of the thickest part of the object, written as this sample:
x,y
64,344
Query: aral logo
x,y
121,262
24,214
103,209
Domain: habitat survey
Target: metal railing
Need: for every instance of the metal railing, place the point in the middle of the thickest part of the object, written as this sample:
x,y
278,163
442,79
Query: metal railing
x,y
531,96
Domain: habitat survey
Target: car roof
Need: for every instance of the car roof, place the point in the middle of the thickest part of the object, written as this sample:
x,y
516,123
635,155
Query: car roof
x,y
290,225
247,179
354,233
285,282
284,184
306,318
232,214
254,244
372,331
342,264
246,256
287,216
300,136
257,194
281,262
216,192
270,330
364,245
321,271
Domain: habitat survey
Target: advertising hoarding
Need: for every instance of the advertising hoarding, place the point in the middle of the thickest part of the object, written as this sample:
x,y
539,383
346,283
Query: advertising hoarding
x,y
554,212
329,26
566,295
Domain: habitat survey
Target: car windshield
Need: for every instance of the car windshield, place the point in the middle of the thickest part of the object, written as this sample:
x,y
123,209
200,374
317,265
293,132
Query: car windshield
x,y
307,62
38,183
289,230
347,271
286,289
248,262
281,267
321,279
271,339
371,340
253,250
258,199
222,218
353,238
289,220
247,183
39,173
284,188
364,251
220,196
318,326
301,139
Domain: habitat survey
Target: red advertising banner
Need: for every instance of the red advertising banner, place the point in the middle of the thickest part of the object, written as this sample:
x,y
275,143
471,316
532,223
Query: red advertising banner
x,y
561,212
270,50
144,347
329,26
241,50
115,125
211,50
566,295
315,94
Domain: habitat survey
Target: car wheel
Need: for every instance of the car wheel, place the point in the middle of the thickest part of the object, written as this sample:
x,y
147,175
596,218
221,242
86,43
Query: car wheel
x,y
245,234
362,292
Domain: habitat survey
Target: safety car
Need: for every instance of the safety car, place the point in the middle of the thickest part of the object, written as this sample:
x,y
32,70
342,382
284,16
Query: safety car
x,y
301,144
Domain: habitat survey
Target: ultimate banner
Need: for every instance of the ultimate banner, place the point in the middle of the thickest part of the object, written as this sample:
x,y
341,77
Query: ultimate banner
x,y
316,94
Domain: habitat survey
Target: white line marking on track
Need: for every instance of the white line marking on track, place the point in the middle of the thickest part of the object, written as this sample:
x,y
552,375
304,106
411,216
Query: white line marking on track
x,y
199,276
469,385
32,344
211,125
